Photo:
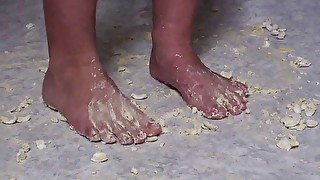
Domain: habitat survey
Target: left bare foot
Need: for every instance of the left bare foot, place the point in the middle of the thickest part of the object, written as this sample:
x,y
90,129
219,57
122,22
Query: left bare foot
x,y
214,95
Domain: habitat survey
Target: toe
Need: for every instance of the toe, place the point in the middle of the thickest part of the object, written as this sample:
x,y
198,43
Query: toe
x,y
137,134
108,137
241,88
234,104
221,112
147,125
151,128
216,112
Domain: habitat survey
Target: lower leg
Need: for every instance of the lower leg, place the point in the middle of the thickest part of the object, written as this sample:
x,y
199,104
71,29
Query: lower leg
x,y
173,54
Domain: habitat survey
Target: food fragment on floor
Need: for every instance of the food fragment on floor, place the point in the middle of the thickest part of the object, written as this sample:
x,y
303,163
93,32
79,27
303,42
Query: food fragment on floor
x,y
129,82
26,147
43,69
226,74
193,131
99,157
209,126
247,111
22,153
174,113
25,103
8,121
14,119
30,26
162,144
152,139
134,171
122,69
288,143
309,107
133,148
41,144
301,109
54,120
139,96
266,43
21,156
291,120
23,118
279,33
300,62
300,127
311,123
195,110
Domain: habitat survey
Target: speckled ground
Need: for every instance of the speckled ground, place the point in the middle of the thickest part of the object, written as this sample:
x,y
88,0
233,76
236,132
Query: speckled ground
x,y
227,38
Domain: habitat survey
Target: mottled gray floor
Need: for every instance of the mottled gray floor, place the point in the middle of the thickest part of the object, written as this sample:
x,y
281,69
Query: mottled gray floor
x,y
242,148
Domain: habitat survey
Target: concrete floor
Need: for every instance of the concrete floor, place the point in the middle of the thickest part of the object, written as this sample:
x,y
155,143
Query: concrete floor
x,y
242,148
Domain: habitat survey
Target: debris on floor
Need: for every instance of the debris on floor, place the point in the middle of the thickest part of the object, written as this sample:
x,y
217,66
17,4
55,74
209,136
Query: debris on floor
x,y
195,110
139,96
22,153
99,157
24,104
14,119
274,29
122,69
308,106
22,119
134,171
152,139
209,126
311,123
266,43
287,142
41,144
43,69
134,148
174,113
162,144
192,131
8,121
300,62
226,74
30,26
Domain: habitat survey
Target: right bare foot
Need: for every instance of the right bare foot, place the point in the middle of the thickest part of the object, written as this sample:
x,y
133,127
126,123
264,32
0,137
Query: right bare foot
x,y
93,104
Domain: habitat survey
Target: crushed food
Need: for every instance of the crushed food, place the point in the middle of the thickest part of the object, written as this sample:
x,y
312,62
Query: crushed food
x,y
99,157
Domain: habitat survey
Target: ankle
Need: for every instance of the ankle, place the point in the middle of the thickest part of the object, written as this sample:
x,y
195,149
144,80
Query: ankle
x,y
170,37
63,62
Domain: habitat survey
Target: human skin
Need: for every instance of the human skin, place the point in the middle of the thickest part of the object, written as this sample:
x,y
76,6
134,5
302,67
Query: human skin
x,y
81,90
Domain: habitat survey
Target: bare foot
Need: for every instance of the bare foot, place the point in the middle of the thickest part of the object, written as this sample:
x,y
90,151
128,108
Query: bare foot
x,y
211,93
93,104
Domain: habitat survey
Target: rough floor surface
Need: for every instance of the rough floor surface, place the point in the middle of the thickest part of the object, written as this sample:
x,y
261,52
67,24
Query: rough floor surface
x,y
228,37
